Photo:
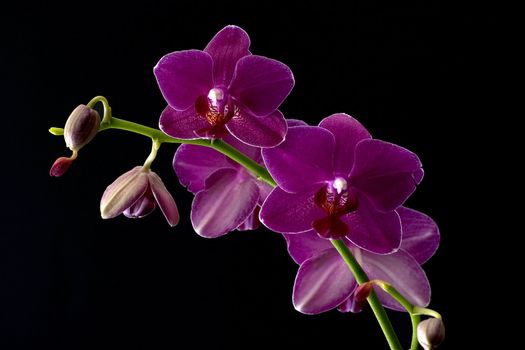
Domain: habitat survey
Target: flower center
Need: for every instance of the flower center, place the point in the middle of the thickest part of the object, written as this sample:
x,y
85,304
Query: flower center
x,y
335,199
217,107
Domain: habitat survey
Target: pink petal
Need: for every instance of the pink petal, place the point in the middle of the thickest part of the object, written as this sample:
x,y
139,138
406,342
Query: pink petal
x,y
261,84
226,48
193,164
225,203
303,159
373,230
186,125
123,192
285,212
322,283
166,202
268,131
303,246
347,133
420,234
183,76
386,173
403,272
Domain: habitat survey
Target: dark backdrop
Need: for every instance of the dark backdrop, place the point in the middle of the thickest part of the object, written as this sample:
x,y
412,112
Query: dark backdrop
x,y
70,280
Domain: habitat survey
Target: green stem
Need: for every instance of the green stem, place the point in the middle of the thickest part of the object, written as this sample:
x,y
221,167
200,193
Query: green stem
x,y
153,154
412,310
107,109
373,300
427,312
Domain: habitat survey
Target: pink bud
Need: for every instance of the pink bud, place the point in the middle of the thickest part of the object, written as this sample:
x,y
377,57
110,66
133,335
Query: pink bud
x,y
61,166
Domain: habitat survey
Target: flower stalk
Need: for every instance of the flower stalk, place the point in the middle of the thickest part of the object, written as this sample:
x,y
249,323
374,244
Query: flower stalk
x,y
373,301
158,137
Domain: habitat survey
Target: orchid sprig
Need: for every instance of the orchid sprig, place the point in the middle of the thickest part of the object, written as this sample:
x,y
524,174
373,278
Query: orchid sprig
x,y
334,193
158,138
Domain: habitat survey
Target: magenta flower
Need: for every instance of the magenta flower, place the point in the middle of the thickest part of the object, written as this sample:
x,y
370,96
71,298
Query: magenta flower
x,y
136,194
224,89
324,281
339,181
227,196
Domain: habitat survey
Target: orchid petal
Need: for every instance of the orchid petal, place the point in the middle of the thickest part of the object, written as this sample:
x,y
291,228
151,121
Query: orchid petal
x,y
303,159
285,212
268,131
420,234
322,283
386,173
373,230
225,203
226,48
186,125
183,76
347,133
261,84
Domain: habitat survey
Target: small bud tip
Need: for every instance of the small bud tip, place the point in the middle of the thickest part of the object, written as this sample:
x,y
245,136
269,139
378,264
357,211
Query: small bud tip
x,y
61,166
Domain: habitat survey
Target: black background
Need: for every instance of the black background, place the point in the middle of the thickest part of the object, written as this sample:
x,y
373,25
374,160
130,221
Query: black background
x,y
70,280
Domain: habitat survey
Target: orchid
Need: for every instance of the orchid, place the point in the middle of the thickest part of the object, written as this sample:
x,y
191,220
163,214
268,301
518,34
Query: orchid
x,y
336,194
226,195
224,89
324,282
339,181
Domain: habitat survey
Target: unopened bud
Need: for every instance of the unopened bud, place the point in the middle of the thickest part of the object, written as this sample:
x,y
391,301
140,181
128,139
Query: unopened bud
x,y
60,166
81,126
136,194
430,333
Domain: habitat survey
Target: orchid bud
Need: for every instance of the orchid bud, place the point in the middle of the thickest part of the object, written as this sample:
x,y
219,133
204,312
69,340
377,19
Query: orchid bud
x,y
430,333
136,194
61,166
81,126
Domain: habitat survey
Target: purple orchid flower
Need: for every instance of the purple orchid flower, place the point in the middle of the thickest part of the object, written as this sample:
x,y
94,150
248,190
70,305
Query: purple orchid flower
x,y
136,194
224,89
227,196
324,282
339,181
